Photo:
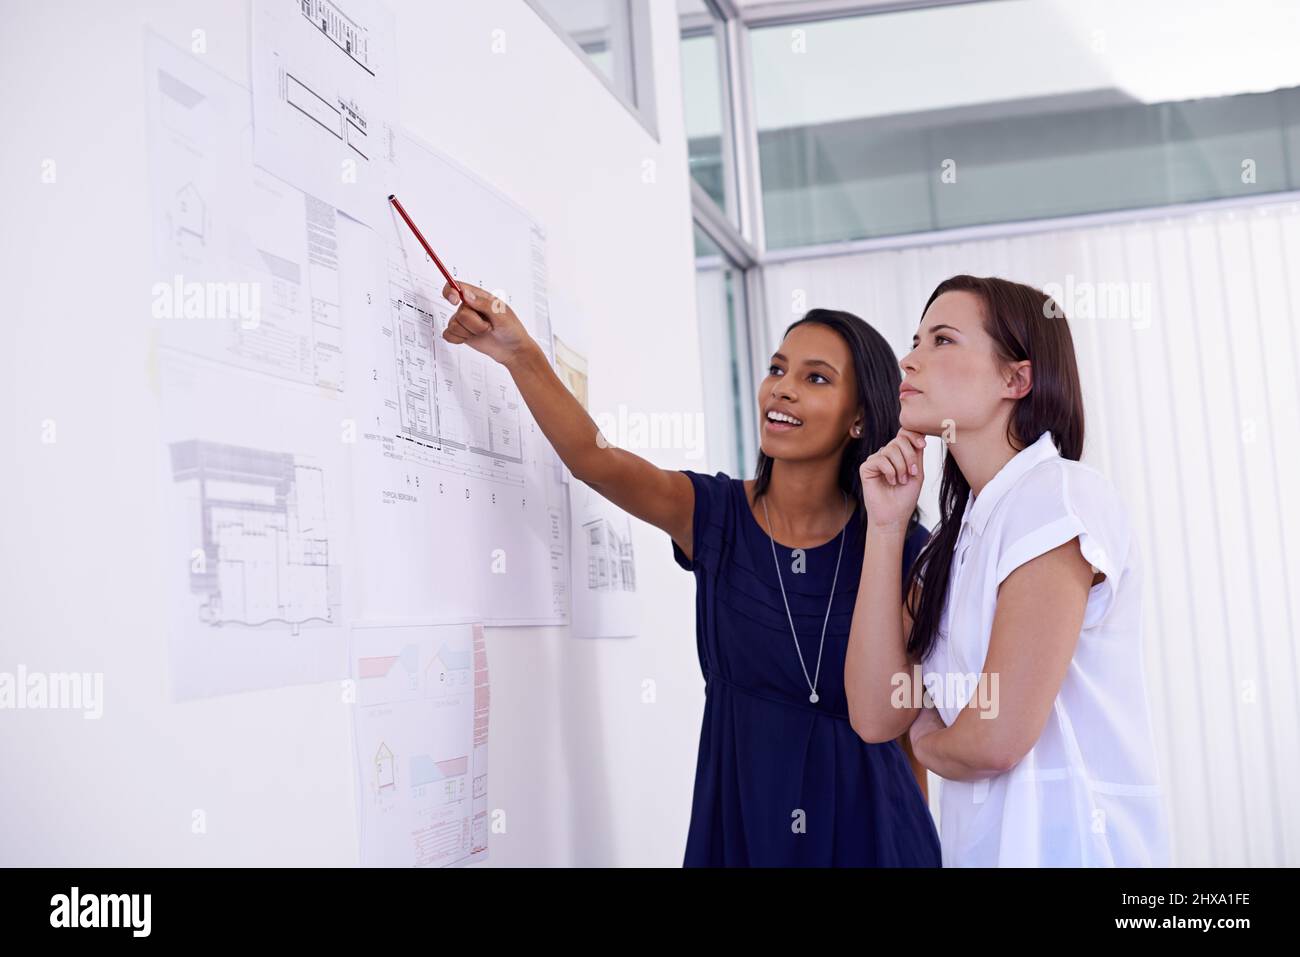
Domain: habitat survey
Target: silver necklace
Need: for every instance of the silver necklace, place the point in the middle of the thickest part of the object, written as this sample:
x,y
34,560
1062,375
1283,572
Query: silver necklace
x,y
812,682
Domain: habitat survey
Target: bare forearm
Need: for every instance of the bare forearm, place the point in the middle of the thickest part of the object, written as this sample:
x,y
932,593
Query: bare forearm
x,y
959,752
563,420
877,650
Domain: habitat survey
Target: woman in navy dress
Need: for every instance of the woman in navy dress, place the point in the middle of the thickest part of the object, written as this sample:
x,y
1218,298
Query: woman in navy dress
x,y
782,778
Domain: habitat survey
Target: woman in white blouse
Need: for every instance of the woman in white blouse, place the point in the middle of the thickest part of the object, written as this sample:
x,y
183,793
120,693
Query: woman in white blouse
x,y
1015,661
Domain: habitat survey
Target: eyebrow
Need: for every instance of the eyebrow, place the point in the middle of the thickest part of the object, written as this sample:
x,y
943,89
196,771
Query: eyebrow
x,y
809,362
934,329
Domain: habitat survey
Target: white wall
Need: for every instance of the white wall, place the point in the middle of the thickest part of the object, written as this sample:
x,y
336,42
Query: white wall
x,y
1193,412
586,771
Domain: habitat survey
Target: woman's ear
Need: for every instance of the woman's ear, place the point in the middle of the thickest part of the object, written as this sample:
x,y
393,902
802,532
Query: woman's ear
x,y
1020,379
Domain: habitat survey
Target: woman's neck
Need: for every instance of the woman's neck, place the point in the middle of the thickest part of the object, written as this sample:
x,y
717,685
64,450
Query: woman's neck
x,y
981,455
805,501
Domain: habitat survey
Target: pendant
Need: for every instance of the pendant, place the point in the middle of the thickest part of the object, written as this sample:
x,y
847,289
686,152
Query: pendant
x,y
813,697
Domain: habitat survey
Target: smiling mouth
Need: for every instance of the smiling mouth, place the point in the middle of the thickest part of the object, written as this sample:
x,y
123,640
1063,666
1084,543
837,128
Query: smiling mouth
x,y
781,422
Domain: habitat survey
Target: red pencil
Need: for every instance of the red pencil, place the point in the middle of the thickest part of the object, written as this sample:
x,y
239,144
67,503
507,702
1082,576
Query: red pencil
x,y
427,248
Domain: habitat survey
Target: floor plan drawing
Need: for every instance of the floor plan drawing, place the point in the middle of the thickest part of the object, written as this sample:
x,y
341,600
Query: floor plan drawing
x,y
456,488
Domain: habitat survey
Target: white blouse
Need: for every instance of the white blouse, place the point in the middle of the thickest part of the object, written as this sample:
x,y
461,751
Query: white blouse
x,y
1088,792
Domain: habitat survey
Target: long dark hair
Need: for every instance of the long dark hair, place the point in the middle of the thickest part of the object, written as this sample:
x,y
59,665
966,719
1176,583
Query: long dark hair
x,y
875,369
1024,323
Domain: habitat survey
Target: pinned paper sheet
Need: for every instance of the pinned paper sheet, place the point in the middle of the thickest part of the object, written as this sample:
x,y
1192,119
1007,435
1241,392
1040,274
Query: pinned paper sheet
x,y
325,99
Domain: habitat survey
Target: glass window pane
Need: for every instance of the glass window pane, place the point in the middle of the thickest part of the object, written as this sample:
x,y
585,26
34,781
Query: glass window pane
x,y
1021,109
702,95
603,29
724,359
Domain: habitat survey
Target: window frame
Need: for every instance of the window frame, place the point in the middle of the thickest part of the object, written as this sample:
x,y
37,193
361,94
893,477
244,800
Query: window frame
x,y
636,64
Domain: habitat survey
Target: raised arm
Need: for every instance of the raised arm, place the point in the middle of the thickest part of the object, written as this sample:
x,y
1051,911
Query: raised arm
x,y
662,497
891,485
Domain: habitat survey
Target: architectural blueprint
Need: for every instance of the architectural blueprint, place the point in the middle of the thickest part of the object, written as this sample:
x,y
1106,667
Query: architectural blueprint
x,y
457,496
420,724
247,269
325,98
605,603
264,533
255,482
346,495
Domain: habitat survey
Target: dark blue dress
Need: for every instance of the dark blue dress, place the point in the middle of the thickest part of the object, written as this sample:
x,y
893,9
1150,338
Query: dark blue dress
x,y
781,781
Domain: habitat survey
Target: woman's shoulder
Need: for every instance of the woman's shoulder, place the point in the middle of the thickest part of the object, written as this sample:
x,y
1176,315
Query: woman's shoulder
x,y
717,498
1062,499
1066,486
715,477
712,520
713,486
1057,500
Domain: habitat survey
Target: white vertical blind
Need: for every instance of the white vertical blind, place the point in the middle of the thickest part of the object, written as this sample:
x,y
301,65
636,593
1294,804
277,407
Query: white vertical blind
x,y
1193,411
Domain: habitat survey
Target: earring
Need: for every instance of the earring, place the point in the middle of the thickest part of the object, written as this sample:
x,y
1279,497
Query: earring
x,y
856,432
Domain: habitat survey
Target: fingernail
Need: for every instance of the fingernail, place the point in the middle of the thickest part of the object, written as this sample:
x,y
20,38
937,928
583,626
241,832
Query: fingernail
x,y
913,469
